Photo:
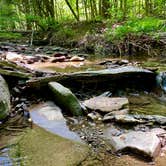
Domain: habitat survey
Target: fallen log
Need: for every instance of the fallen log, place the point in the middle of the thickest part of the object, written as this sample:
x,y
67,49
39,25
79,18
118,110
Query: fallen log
x,y
128,76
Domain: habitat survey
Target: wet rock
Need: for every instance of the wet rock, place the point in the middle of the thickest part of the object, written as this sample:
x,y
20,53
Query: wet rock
x,y
31,59
44,148
58,59
112,131
106,104
76,59
121,117
127,119
13,56
152,118
111,115
60,54
144,143
160,119
94,116
65,98
4,99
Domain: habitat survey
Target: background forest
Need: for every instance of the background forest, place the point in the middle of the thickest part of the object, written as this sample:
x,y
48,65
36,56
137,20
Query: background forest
x,y
63,19
44,14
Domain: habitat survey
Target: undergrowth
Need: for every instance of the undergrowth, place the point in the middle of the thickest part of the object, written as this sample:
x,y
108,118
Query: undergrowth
x,y
135,26
10,35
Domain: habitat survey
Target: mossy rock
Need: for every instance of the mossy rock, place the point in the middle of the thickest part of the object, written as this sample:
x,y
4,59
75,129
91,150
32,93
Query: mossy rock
x,y
39,147
65,98
4,99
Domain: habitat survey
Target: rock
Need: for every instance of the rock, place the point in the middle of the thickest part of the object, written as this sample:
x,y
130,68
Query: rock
x,y
152,118
160,119
31,59
123,117
161,80
76,59
112,131
13,56
4,99
44,148
111,115
112,79
58,59
144,143
127,119
106,104
94,116
65,98
60,54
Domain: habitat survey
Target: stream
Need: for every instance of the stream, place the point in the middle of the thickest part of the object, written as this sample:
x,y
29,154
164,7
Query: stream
x,y
86,130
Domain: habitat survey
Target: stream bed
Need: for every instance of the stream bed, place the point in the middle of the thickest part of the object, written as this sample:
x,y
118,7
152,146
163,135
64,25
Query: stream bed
x,y
58,137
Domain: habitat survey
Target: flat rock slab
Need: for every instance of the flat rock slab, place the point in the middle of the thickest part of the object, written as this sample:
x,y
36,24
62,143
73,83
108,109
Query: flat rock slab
x,y
145,143
4,98
127,119
42,148
106,104
111,115
50,117
131,118
119,78
119,70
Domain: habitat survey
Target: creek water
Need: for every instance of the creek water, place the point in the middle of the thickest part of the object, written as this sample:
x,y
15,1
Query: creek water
x,y
4,157
48,116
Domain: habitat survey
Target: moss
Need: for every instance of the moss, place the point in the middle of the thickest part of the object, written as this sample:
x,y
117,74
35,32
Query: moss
x,y
65,98
40,147
147,105
4,98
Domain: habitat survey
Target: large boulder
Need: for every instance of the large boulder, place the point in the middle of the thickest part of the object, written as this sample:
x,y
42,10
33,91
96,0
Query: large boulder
x,y
65,98
4,99
106,104
144,143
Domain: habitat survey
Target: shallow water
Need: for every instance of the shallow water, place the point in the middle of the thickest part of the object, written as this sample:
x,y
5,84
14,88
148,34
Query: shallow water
x,y
5,160
147,104
48,116
66,67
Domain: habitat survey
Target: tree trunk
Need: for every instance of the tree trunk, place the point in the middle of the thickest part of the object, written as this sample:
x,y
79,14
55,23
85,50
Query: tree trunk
x,y
72,10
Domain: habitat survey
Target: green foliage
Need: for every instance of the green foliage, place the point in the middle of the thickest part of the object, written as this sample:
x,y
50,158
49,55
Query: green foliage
x,y
65,33
10,35
44,24
136,26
